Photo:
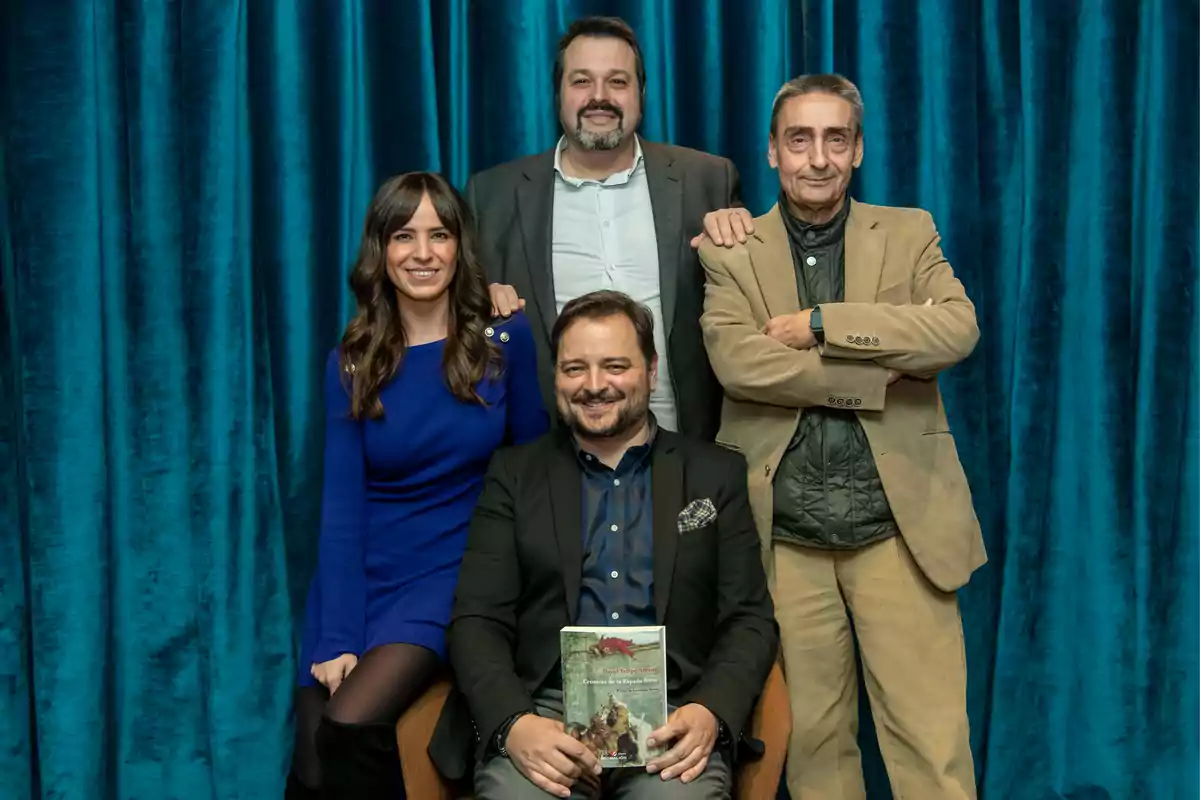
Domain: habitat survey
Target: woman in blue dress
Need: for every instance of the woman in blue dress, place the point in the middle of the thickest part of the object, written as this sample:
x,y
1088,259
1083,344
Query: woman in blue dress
x,y
420,393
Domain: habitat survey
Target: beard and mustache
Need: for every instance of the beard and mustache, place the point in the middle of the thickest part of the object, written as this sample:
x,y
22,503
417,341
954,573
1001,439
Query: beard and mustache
x,y
629,416
593,140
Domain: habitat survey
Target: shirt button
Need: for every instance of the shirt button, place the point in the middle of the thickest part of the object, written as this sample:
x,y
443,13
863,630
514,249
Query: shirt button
x,y
614,528
615,615
617,482
613,573
606,223
811,260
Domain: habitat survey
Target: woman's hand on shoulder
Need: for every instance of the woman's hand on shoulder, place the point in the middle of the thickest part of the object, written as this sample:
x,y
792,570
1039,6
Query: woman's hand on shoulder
x,y
330,674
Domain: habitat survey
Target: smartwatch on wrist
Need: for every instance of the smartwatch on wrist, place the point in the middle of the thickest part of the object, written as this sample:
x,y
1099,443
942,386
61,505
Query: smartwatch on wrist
x,y
814,322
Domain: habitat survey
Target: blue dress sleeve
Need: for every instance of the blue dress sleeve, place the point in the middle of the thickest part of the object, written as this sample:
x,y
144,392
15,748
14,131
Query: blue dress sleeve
x,y
527,418
343,526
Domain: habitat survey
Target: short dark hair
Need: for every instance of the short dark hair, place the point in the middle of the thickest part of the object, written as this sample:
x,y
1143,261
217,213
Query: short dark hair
x,y
603,304
830,83
611,27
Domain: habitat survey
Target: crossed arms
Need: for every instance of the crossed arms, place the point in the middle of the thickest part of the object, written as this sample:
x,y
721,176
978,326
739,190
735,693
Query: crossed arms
x,y
866,345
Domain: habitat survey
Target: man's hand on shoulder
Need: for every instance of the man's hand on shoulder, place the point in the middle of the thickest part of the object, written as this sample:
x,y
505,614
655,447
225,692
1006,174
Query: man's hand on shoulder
x,y
794,330
725,227
542,751
504,300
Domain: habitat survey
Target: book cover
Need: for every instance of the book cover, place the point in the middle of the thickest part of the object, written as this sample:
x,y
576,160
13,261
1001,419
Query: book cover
x,y
615,690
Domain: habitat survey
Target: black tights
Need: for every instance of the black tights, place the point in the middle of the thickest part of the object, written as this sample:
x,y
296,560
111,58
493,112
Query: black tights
x,y
377,691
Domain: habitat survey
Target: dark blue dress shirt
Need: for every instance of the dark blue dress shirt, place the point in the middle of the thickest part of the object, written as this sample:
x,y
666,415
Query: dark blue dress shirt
x,y
617,587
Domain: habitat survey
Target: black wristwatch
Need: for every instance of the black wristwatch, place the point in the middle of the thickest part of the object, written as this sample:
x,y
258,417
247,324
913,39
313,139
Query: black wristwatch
x,y
814,322
723,737
502,733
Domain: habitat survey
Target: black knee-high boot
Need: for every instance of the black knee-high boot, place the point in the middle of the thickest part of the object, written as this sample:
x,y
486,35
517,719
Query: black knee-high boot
x,y
359,762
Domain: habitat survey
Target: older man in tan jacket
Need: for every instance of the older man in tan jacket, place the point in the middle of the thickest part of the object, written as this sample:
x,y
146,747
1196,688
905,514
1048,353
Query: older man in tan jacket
x,y
828,327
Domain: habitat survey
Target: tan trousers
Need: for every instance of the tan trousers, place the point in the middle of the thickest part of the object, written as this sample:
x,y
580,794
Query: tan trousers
x,y
911,640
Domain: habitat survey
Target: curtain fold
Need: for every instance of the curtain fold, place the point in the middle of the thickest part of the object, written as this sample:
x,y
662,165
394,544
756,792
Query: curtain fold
x,y
182,187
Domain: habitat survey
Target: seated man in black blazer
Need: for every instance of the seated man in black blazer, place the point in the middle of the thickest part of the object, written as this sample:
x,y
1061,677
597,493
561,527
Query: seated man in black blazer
x,y
607,521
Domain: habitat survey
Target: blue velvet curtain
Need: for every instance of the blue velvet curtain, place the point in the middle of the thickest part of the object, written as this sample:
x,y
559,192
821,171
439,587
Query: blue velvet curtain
x,y
181,188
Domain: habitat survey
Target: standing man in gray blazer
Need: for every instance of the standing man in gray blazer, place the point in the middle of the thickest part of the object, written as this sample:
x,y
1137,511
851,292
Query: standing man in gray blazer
x,y
606,209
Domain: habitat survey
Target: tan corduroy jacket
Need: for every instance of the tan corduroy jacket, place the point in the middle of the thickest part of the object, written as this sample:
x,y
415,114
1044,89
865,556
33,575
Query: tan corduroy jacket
x,y
904,310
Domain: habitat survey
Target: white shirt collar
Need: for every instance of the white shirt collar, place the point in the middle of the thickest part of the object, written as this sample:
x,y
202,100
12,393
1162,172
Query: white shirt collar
x,y
612,180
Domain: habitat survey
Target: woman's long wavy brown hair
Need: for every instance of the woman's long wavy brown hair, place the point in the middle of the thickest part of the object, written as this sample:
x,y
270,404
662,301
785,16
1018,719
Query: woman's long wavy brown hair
x,y
374,343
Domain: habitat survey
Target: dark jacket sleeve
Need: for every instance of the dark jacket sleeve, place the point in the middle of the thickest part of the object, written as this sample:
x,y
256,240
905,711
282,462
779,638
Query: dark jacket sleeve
x,y
747,636
480,195
482,632
471,195
734,186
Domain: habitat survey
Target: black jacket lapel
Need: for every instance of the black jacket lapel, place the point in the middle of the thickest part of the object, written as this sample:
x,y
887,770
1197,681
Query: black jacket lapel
x,y
566,498
666,200
667,498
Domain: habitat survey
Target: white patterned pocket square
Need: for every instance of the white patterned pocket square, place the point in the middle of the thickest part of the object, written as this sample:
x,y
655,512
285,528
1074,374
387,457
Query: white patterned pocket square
x,y
697,514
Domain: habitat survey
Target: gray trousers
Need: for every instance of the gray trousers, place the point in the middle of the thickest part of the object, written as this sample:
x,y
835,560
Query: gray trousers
x,y
499,779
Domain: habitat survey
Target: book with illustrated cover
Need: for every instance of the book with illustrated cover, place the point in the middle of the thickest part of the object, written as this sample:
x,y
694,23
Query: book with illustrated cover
x,y
615,690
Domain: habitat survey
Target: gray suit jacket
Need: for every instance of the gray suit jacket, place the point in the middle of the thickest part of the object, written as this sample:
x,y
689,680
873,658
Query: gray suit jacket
x,y
513,206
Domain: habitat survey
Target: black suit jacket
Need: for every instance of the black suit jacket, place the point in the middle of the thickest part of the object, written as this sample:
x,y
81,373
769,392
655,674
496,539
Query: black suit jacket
x,y
521,574
514,208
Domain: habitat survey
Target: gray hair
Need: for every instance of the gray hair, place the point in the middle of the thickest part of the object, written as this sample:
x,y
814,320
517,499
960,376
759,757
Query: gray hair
x,y
832,83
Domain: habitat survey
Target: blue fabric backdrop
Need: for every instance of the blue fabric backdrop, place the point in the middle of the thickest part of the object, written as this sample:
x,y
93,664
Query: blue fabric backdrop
x,y
181,188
